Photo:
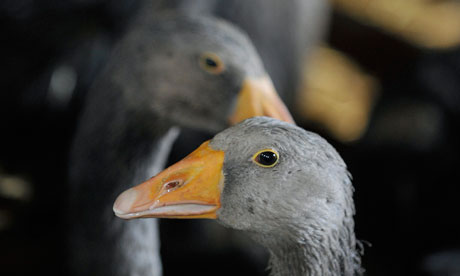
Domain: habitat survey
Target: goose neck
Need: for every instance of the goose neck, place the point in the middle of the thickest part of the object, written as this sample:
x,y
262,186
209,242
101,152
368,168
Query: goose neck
x,y
314,252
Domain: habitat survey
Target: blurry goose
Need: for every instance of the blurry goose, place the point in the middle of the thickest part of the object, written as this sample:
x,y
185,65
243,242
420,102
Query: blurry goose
x,y
169,70
283,32
285,187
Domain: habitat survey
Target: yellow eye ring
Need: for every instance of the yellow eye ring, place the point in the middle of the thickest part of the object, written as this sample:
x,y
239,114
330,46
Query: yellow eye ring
x,y
211,63
266,158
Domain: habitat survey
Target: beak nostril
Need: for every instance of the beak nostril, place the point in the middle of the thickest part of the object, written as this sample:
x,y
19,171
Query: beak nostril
x,y
172,185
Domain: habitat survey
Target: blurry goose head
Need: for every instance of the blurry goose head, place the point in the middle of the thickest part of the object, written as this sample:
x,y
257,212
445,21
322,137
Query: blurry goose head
x,y
194,71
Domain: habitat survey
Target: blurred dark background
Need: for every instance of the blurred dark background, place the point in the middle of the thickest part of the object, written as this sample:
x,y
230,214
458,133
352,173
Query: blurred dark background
x,y
404,156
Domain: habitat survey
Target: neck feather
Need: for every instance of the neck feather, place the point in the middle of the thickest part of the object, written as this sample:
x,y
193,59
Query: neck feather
x,y
114,150
314,251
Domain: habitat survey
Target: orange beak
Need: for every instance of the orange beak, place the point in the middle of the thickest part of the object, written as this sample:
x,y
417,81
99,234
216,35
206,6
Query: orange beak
x,y
258,97
190,188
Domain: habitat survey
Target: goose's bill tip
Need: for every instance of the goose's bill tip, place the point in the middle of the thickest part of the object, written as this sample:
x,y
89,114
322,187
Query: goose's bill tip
x,y
124,202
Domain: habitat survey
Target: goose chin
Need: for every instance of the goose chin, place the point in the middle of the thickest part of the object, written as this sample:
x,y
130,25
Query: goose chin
x,y
186,210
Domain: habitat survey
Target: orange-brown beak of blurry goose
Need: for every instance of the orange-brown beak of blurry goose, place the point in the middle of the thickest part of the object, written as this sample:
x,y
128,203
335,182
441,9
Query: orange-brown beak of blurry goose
x,y
258,97
190,188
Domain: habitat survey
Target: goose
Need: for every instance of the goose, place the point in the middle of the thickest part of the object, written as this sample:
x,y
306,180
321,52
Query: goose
x,y
169,71
285,187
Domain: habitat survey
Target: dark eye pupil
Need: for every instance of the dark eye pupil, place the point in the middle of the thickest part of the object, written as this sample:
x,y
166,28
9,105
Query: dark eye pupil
x,y
210,62
267,158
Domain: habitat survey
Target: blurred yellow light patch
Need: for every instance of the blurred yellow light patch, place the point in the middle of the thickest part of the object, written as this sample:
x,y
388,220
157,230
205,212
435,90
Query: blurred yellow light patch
x,y
428,23
336,95
15,188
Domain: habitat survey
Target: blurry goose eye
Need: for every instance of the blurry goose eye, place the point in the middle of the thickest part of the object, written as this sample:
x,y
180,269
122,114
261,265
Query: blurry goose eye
x,y
266,158
211,63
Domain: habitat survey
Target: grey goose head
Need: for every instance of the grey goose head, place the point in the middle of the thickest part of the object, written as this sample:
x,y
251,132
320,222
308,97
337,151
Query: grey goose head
x,y
286,187
193,71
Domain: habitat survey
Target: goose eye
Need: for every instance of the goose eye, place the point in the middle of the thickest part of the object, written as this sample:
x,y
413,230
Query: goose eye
x,y
211,63
266,158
